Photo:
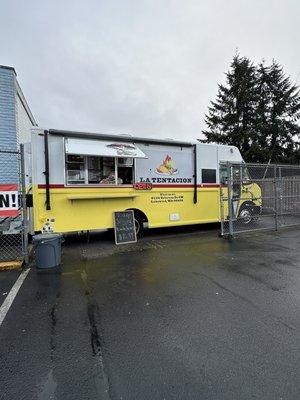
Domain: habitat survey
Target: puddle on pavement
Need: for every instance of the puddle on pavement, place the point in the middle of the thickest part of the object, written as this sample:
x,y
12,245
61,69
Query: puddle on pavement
x,y
48,387
101,381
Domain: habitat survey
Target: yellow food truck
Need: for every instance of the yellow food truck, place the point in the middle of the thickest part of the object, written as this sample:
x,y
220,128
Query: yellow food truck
x,y
80,179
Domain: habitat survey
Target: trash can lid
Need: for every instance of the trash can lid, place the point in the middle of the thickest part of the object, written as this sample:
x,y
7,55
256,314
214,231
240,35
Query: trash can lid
x,y
45,236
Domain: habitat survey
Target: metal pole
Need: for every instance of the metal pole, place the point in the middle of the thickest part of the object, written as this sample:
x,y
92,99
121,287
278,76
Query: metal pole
x,y
275,199
221,202
24,206
46,145
195,175
280,196
229,188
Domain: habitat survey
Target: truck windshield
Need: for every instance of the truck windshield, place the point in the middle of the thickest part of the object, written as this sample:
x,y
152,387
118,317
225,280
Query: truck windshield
x,y
240,174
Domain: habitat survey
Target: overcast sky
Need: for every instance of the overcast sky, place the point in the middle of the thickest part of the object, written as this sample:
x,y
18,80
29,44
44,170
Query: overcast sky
x,y
144,67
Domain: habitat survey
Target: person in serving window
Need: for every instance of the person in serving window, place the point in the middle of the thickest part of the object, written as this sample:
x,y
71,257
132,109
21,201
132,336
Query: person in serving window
x,y
111,179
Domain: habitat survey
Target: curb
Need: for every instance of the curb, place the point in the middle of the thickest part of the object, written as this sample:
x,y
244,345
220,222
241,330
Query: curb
x,y
7,265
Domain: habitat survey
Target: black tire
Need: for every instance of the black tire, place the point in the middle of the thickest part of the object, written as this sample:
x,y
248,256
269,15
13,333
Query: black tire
x,y
139,225
246,214
111,233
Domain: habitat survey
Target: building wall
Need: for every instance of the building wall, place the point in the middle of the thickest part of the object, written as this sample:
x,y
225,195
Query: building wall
x,y
16,122
8,137
24,118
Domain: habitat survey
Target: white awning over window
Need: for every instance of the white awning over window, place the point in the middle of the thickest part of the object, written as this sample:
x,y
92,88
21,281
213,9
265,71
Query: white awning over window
x,y
88,147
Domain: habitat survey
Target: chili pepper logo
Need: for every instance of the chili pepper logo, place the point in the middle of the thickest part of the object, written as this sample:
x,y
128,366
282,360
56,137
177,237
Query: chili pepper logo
x,y
167,167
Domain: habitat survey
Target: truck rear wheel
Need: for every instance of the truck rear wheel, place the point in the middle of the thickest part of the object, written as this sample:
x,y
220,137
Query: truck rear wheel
x,y
140,219
139,225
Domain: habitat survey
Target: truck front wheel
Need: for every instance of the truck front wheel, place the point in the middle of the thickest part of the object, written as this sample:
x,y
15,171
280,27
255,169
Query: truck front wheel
x,y
246,214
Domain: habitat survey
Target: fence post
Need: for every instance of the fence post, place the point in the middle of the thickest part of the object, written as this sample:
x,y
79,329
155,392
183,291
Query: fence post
x,y
24,207
275,198
221,202
229,188
280,196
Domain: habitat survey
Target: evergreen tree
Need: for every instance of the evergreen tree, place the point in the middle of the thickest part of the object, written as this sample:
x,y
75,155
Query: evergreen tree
x,y
277,115
257,111
263,112
231,117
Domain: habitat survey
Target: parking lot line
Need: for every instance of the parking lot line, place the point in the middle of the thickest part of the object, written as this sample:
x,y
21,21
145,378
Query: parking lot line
x,y
11,295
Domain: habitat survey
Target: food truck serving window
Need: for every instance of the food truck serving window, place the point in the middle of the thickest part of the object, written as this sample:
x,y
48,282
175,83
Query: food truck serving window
x,y
91,170
92,162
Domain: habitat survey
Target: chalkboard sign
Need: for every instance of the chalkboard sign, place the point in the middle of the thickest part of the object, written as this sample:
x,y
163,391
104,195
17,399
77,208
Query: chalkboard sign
x,y
124,227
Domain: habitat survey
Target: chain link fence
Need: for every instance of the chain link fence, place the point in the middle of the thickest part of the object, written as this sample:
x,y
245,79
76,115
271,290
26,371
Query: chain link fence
x,y
13,221
258,196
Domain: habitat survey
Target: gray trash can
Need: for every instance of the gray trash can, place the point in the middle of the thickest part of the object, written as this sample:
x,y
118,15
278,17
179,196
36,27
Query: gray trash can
x,y
47,249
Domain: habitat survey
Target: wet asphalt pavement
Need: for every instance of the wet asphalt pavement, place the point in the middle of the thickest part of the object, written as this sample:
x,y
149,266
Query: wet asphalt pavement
x,y
7,279
180,315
